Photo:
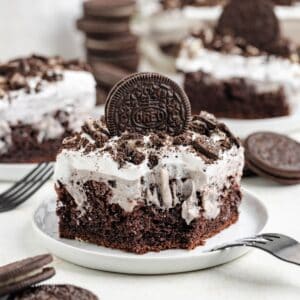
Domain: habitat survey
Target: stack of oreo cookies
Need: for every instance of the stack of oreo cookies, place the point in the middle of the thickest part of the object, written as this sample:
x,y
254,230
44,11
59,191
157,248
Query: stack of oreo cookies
x,y
109,39
107,75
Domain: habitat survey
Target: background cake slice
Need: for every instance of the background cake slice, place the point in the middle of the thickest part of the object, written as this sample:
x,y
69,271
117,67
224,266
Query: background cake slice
x,y
243,68
42,100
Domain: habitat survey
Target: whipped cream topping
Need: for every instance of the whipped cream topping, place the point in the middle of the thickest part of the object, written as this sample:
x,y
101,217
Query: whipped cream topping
x,y
265,72
75,90
74,95
180,175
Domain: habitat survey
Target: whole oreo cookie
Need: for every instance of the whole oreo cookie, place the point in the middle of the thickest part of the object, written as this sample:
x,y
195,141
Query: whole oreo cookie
x,y
22,274
274,155
53,292
253,20
147,102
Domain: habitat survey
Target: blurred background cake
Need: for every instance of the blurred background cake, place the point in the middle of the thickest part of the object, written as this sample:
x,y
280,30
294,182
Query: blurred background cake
x,y
149,177
243,67
171,21
42,100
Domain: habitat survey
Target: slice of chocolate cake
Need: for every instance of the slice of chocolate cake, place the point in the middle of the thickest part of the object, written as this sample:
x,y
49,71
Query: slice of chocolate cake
x,y
42,100
155,179
242,68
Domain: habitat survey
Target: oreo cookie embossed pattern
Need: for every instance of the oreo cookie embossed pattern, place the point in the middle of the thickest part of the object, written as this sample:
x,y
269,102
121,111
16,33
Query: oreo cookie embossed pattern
x,y
147,102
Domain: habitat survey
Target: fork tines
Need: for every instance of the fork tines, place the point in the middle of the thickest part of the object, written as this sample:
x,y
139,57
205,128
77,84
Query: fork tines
x,y
26,187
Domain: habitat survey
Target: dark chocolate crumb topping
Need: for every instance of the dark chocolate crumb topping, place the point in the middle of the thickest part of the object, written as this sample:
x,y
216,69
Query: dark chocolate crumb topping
x,y
127,153
156,140
153,160
205,137
184,139
203,146
14,74
230,44
93,130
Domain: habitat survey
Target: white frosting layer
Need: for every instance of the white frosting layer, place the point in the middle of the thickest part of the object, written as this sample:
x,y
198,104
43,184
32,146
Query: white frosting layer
x,y
74,95
133,182
77,88
267,73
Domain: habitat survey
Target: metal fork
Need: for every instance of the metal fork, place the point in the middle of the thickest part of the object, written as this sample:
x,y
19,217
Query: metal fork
x,y
279,245
26,187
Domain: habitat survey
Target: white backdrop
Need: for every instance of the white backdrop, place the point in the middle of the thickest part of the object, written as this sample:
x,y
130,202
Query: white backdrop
x,y
40,26
48,27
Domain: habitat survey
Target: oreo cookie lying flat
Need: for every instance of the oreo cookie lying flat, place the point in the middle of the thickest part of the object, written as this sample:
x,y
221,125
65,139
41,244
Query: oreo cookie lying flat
x,y
252,20
109,9
22,274
147,102
124,44
103,28
274,156
54,292
108,74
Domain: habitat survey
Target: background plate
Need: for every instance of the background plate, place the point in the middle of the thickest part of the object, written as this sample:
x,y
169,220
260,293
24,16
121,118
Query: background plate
x,y
14,172
253,219
243,128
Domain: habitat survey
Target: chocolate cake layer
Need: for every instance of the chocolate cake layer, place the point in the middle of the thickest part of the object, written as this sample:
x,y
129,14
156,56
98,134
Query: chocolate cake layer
x,y
147,228
25,147
234,98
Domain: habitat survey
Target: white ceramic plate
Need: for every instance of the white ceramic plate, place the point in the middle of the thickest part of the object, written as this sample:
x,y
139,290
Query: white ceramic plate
x,y
243,128
252,220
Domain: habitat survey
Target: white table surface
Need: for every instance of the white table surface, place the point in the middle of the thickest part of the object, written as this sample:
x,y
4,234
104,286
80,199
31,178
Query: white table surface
x,y
256,275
